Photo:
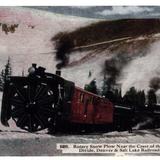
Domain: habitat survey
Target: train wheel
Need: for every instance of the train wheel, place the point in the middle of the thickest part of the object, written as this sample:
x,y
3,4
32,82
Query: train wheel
x,y
32,106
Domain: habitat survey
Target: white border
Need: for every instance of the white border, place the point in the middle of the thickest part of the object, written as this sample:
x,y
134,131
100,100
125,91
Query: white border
x,y
77,2
83,157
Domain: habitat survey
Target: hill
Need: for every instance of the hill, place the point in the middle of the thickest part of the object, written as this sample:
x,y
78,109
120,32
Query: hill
x,y
108,30
135,60
110,47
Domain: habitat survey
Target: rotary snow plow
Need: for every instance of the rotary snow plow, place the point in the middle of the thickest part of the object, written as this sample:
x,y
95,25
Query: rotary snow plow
x,y
33,101
43,100
47,101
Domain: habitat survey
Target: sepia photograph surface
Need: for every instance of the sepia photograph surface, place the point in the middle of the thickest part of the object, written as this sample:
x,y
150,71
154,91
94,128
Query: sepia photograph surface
x,y
79,80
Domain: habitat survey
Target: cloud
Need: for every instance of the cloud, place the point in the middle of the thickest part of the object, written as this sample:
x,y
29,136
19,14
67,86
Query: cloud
x,y
122,10
82,7
154,14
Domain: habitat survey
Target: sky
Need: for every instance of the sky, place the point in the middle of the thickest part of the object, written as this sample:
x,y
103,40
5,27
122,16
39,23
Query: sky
x,y
105,12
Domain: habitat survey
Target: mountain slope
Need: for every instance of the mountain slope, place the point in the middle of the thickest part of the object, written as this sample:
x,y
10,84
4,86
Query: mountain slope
x,y
32,37
89,50
31,43
108,30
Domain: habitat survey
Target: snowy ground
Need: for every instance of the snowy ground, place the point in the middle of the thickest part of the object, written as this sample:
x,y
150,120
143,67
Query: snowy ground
x,y
26,144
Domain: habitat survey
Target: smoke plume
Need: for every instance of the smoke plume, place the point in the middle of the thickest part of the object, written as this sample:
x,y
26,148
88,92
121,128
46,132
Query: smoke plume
x,y
143,72
113,68
115,65
146,122
155,83
63,45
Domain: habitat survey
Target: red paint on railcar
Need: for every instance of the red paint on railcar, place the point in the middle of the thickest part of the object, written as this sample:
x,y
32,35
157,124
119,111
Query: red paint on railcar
x,y
89,108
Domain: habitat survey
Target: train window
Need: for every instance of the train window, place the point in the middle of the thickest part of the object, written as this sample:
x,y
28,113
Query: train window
x,y
81,97
105,101
86,106
102,101
91,100
96,101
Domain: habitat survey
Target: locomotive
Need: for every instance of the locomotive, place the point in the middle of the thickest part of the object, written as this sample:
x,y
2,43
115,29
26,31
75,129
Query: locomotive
x,y
43,100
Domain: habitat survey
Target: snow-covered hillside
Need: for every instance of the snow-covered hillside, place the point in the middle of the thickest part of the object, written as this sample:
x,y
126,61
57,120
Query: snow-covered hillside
x,y
138,57
132,62
30,43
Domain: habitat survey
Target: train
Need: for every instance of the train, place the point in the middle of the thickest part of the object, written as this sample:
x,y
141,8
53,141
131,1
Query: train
x,y
43,100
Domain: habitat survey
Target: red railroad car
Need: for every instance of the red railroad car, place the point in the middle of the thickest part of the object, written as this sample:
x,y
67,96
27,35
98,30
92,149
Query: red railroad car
x,y
89,108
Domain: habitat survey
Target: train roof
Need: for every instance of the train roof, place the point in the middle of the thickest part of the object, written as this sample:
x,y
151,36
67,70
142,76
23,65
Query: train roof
x,y
90,93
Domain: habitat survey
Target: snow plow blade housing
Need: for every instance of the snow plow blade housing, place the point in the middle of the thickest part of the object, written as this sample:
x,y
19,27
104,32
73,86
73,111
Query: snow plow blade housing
x,y
33,101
